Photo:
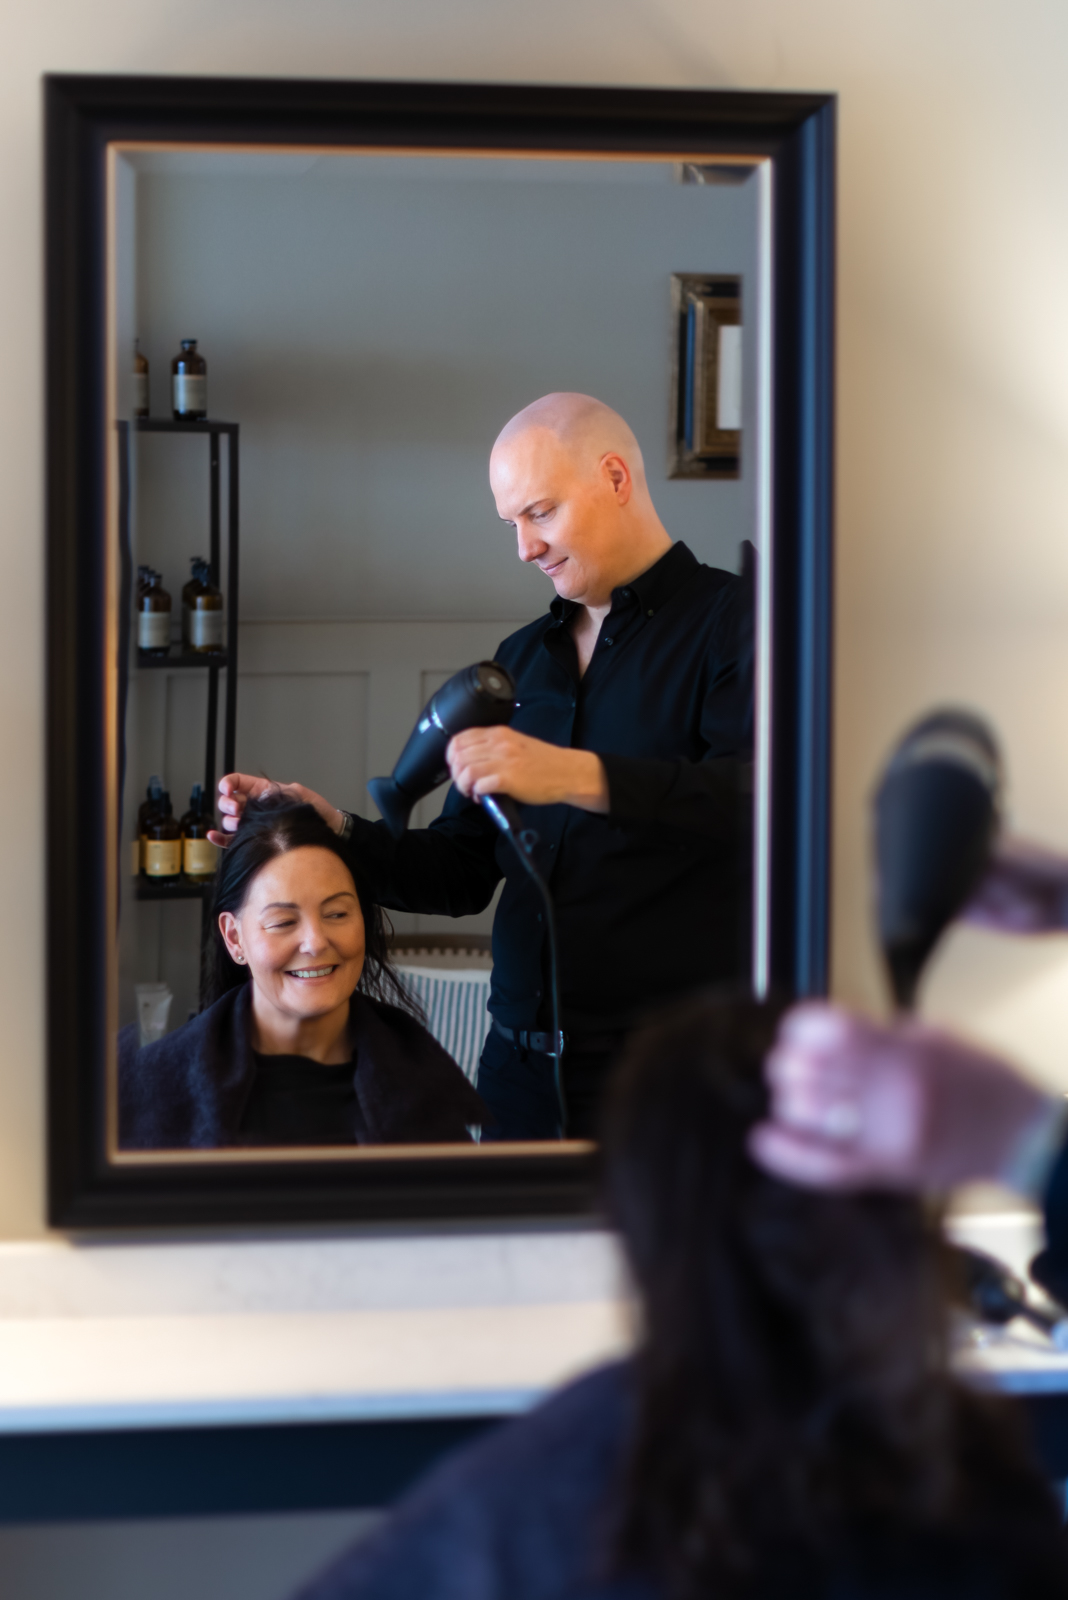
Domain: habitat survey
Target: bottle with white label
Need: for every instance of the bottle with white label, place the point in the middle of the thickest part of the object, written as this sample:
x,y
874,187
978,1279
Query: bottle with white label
x,y
202,612
189,384
199,855
153,616
162,845
140,382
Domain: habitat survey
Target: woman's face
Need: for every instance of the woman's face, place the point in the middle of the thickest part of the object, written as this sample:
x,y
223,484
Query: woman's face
x,y
300,932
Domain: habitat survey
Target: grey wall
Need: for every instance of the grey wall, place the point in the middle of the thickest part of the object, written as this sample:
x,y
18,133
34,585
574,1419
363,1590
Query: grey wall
x,y
373,322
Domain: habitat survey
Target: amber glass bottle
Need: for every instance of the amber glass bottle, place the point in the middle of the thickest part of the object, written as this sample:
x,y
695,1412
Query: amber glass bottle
x,y
153,616
189,383
202,612
147,809
163,843
140,382
198,853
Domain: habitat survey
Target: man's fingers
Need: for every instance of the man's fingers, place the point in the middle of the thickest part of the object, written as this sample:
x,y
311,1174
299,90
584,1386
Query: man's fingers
x,y
811,1162
245,784
794,1074
831,1110
475,770
489,783
818,1026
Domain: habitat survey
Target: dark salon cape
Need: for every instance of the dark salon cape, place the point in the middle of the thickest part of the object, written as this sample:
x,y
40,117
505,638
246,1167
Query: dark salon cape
x,y
188,1090
526,1514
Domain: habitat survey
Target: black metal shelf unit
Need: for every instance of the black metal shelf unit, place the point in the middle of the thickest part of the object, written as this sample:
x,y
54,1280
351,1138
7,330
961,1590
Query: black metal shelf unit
x,y
214,663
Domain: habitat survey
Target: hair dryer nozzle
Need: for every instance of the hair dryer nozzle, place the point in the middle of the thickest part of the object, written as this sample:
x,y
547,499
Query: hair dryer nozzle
x,y
936,815
394,804
482,696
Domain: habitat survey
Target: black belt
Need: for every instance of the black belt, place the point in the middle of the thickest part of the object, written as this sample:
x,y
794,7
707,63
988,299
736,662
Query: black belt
x,y
576,1043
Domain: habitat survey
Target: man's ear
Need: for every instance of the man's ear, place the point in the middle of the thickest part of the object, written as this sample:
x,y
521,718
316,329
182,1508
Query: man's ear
x,y
617,472
232,937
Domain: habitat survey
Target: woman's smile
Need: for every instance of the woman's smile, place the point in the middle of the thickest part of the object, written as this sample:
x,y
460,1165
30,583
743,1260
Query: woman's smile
x,y
306,973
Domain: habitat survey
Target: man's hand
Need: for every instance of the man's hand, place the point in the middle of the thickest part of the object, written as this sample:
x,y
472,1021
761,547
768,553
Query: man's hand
x,y
501,761
1024,891
238,788
856,1105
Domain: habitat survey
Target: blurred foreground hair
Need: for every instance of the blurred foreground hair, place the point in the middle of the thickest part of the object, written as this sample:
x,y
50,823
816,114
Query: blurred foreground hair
x,y
794,1408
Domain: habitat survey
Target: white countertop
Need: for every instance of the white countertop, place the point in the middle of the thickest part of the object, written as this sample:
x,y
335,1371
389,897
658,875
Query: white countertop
x,y
106,1336
96,1337
91,1373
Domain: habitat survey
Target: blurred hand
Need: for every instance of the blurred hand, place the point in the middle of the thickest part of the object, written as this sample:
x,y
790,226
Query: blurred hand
x,y
1025,890
858,1105
238,788
501,761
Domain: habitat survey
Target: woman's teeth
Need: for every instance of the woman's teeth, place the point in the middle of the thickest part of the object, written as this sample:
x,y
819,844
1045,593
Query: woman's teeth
x,y
311,972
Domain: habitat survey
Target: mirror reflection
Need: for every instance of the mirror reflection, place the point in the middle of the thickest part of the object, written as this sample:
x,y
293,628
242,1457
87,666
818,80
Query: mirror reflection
x,y
435,475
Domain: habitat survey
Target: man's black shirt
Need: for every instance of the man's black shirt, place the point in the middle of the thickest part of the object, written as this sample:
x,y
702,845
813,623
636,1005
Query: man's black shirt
x,y
649,898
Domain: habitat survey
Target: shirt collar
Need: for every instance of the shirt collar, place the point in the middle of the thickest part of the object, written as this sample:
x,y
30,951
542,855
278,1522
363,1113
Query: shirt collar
x,y
651,589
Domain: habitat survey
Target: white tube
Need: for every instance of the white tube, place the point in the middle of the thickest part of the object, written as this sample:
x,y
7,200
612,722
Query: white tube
x,y
153,1010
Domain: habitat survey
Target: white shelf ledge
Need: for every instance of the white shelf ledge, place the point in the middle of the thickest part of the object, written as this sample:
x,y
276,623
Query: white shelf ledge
x,y
113,1336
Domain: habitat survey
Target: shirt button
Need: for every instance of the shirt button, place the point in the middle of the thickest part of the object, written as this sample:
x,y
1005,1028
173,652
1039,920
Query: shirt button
x,y
648,613
608,641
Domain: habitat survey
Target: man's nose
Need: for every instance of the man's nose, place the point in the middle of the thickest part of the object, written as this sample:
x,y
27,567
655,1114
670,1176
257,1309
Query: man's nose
x,y
530,545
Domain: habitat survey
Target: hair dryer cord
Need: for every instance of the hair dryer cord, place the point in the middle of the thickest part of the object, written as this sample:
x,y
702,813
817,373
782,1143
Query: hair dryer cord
x,y
523,840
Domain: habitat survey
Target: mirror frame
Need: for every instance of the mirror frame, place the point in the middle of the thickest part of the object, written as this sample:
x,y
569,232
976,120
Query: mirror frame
x,y
794,136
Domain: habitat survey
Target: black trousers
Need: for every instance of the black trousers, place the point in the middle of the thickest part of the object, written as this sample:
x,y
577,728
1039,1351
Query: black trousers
x,y
517,1085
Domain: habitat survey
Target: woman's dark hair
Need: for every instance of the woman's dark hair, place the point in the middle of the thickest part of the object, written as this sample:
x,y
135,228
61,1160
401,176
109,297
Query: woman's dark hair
x,y
272,827
792,1392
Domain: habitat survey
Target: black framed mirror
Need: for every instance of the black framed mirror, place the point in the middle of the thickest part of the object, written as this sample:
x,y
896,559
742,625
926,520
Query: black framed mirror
x,y
380,275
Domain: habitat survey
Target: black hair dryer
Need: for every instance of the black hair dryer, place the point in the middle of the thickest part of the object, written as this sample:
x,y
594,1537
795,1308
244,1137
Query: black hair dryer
x,y
936,818
937,813
482,696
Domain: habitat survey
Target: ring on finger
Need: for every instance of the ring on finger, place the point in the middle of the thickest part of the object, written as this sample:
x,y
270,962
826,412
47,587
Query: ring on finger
x,y
841,1120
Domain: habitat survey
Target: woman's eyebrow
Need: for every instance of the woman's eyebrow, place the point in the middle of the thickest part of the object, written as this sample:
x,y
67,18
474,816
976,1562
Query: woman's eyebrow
x,y
291,905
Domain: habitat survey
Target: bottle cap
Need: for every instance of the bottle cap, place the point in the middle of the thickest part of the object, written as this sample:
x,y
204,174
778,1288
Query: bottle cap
x,y
189,344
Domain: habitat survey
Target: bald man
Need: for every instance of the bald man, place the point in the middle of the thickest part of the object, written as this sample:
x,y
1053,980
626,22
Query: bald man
x,y
627,755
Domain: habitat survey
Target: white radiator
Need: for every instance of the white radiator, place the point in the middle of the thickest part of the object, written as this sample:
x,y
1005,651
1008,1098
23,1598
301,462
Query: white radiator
x,y
454,999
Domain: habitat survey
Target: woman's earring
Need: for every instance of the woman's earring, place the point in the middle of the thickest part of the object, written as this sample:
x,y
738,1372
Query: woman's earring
x,y
240,958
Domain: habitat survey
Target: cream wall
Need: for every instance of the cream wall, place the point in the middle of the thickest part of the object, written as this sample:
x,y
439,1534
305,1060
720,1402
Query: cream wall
x,y
953,368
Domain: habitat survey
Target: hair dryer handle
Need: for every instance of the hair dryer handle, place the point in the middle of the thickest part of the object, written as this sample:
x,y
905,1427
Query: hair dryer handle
x,y
504,811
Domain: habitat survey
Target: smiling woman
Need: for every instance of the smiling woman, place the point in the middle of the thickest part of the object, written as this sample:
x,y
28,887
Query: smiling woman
x,y
308,1037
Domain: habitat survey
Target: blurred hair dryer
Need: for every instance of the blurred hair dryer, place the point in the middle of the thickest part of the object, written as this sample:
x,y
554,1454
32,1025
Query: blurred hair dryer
x,y
482,696
936,818
988,1289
